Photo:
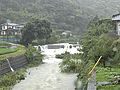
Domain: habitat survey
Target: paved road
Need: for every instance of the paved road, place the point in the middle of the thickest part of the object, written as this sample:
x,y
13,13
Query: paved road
x,y
47,77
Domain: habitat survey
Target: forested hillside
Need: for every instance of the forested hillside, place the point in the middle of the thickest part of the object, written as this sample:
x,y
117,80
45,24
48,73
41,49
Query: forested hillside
x,y
71,15
101,8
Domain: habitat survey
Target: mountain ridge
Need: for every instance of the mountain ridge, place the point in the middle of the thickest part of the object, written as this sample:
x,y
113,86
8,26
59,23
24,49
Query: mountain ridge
x,y
73,15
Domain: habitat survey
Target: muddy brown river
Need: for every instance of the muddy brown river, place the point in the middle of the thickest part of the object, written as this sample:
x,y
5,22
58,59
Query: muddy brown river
x,y
47,77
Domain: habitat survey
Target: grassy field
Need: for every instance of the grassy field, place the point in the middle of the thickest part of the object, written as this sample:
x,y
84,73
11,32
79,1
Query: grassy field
x,y
109,87
105,74
7,50
20,51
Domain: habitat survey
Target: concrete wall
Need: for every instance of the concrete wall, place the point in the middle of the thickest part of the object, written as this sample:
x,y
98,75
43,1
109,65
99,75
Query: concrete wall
x,y
15,63
92,82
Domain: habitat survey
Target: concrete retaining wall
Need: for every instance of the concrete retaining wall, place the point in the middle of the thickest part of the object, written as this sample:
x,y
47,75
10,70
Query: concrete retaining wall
x,y
15,63
92,82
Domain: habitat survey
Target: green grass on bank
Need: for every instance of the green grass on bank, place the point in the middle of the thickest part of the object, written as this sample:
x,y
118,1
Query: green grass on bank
x,y
107,75
7,50
10,79
20,51
109,87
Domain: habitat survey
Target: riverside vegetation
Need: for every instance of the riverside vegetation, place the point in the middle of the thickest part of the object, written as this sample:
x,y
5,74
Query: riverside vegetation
x,y
10,79
33,56
70,63
97,41
5,48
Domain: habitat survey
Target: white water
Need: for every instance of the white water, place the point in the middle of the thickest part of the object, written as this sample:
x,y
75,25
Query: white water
x,y
47,76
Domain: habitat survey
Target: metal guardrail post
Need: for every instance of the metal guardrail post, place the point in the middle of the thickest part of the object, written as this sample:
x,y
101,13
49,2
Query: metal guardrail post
x,y
10,65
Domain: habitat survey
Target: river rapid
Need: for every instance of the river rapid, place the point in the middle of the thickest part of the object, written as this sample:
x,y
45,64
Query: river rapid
x,y
47,76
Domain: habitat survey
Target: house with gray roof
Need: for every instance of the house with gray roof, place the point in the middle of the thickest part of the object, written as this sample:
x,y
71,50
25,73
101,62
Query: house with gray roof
x,y
10,29
116,19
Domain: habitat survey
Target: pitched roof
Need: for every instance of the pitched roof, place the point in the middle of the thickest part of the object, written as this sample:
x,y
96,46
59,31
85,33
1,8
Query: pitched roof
x,y
116,17
11,24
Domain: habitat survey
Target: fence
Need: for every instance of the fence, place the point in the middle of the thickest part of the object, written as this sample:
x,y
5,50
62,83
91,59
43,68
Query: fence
x,y
15,63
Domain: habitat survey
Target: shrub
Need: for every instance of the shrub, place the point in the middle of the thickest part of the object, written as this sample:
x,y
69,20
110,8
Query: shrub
x,y
71,63
10,79
34,57
61,56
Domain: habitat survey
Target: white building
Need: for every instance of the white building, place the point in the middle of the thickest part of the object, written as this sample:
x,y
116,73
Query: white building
x,y
11,29
59,48
116,19
67,33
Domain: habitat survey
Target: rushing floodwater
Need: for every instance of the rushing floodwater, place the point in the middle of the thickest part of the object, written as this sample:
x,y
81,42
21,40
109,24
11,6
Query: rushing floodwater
x,y
47,77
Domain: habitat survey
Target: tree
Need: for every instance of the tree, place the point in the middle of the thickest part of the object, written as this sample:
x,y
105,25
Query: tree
x,y
36,30
102,47
97,42
116,52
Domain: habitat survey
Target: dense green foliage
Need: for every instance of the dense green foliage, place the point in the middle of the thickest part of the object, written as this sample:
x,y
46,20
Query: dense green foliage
x,y
36,30
10,79
70,63
65,14
99,41
34,57
72,15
